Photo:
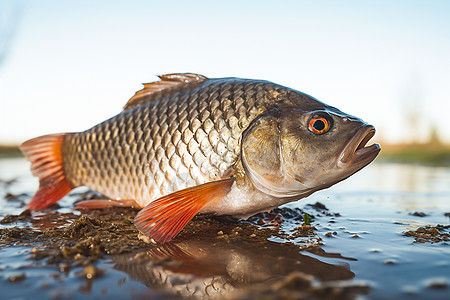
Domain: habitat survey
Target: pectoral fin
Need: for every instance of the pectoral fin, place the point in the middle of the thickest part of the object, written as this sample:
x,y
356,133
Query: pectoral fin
x,y
165,217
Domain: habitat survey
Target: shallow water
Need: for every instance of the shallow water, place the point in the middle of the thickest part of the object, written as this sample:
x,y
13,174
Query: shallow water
x,y
368,213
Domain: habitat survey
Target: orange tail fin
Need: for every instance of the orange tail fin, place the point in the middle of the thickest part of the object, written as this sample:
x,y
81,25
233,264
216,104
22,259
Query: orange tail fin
x,y
44,153
164,218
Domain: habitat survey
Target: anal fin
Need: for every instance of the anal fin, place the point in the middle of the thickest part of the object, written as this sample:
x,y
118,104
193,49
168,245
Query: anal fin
x,y
164,218
104,203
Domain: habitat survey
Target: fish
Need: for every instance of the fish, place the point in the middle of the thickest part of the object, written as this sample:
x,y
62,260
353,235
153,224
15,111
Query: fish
x,y
188,144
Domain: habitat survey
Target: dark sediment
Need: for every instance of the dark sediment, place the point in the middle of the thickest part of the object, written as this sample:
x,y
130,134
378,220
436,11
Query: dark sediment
x,y
430,234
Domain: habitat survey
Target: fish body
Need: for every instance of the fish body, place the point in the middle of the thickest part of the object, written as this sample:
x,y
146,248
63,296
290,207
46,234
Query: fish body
x,y
161,146
189,144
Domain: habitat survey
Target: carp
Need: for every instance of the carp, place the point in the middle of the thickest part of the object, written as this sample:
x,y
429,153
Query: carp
x,y
187,144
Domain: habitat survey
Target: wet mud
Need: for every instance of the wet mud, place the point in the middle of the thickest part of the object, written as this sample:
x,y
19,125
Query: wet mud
x,y
430,234
210,258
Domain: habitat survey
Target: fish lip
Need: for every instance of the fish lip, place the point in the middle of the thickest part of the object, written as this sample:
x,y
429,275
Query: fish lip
x,y
356,152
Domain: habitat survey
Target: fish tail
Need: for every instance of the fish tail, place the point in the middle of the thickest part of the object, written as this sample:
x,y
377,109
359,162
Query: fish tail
x,y
45,155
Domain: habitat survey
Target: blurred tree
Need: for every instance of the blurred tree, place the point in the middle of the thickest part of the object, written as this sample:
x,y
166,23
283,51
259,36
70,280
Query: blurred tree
x,y
421,129
416,127
434,136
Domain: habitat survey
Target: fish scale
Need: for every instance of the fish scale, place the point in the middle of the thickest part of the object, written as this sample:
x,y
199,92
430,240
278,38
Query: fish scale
x,y
189,139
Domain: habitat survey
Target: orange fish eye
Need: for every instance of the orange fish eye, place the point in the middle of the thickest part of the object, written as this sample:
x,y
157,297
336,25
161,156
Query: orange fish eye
x,y
319,125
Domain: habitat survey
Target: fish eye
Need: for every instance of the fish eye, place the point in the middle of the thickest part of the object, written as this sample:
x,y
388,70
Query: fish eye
x,y
320,123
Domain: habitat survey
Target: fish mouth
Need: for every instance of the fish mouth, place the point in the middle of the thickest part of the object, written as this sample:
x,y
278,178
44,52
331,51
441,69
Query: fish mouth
x,y
356,153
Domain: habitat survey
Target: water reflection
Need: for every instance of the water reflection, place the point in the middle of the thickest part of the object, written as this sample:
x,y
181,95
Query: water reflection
x,y
201,268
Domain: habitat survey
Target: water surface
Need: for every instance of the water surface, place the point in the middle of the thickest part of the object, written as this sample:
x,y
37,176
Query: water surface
x,y
360,232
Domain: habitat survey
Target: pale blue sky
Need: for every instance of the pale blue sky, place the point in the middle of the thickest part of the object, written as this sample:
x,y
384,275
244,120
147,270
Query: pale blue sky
x,y
74,64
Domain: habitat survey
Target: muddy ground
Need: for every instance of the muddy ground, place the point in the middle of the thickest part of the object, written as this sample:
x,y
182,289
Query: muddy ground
x,y
67,241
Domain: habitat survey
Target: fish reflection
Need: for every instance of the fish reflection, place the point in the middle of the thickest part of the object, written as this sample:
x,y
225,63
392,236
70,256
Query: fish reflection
x,y
214,269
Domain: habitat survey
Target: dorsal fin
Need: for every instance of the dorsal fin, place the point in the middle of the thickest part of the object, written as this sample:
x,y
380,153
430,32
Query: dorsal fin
x,y
169,83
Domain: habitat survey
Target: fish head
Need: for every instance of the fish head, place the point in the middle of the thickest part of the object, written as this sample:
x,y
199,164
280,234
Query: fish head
x,y
290,152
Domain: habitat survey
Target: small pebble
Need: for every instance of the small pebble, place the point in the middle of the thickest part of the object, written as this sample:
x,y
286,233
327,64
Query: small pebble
x,y
355,236
419,214
437,284
220,233
17,277
389,262
328,234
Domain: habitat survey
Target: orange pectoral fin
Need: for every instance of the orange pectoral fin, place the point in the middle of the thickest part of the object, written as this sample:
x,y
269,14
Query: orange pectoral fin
x,y
164,218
